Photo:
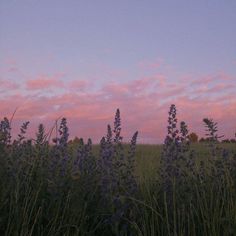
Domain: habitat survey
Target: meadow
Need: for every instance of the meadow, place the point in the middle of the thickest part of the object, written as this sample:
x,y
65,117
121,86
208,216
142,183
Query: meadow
x,y
114,188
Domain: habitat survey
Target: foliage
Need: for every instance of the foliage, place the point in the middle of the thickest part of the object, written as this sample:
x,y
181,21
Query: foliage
x,y
193,137
78,188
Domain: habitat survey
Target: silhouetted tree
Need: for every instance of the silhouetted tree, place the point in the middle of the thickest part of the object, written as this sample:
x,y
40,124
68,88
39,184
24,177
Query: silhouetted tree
x,y
193,137
232,140
201,140
225,141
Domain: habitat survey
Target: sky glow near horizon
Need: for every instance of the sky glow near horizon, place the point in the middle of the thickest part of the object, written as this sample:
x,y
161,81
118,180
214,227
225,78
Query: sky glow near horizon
x,y
84,59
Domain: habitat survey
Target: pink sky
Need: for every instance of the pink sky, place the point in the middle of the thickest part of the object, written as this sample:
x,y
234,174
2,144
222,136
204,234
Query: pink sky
x,y
143,102
85,59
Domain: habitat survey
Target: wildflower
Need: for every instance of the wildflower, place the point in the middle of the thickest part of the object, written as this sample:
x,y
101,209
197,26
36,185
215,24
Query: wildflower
x,y
5,131
211,129
23,130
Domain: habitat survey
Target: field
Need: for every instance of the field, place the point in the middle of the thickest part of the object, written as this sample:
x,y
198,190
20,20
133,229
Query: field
x,y
77,188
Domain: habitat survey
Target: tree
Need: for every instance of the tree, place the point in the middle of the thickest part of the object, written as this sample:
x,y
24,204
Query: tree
x,y
201,140
225,141
193,137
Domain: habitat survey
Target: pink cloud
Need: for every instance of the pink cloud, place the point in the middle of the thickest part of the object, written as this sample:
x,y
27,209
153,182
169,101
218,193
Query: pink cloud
x,y
204,80
10,61
145,83
13,69
7,84
143,103
80,85
217,78
220,88
43,82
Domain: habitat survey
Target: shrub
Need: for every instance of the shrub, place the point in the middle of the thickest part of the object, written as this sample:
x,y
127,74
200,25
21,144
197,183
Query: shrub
x,y
193,138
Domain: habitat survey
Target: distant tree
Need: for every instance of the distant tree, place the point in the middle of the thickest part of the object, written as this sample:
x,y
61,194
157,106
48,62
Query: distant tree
x,y
70,142
76,140
225,141
208,139
193,137
232,140
201,140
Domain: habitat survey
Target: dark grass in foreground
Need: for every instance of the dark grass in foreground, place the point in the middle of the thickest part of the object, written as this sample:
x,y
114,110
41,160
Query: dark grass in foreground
x,y
114,189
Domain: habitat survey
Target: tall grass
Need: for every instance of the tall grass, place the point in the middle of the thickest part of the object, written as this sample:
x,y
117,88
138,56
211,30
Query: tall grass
x,y
77,188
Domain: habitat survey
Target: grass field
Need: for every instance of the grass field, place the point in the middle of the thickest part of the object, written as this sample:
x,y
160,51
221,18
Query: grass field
x,y
115,189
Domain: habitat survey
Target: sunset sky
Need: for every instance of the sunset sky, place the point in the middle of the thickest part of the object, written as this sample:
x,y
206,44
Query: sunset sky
x,y
84,59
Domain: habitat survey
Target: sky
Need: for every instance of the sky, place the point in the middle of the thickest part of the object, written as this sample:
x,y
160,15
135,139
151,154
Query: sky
x,y
84,59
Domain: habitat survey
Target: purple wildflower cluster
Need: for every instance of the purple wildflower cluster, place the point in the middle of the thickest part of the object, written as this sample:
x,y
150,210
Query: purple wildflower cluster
x,y
77,188
5,132
176,148
177,161
117,174
180,170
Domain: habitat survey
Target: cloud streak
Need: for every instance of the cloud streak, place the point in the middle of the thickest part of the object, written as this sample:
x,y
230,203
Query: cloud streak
x,y
44,82
144,104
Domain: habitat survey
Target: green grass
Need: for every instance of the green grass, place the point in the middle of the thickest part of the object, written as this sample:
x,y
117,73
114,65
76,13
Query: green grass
x,y
193,208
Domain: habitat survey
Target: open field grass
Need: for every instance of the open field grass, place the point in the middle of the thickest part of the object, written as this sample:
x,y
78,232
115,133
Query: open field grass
x,y
115,189
148,156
